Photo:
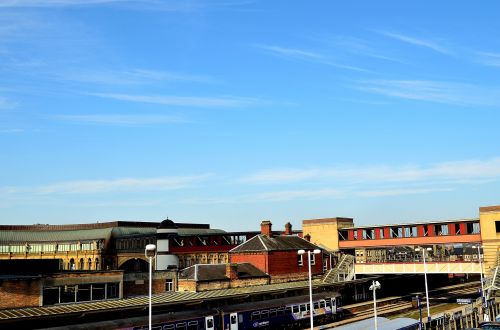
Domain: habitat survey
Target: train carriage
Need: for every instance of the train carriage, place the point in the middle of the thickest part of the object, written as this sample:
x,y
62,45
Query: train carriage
x,y
273,314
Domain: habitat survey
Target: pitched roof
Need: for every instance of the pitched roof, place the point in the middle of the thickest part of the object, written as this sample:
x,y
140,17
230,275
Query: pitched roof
x,y
277,243
218,272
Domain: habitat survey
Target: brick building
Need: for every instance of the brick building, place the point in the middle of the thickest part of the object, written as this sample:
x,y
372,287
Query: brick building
x,y
278,255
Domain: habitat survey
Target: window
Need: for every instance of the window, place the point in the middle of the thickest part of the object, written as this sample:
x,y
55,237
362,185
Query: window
x,y
83,292
171,326
295,309
355,234
255,316
210,323
112,290
233,319
181,325
193,325
396,232
300,260
313,259
381,232
322,304
476,228
273,313
281,311
316,305
426,230
98,291
342,235
288,310
68,294
303,308
169,285
264,314
497,226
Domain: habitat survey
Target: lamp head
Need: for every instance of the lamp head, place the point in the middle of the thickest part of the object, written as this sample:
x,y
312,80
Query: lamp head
x,y
301,252
317,251
150,250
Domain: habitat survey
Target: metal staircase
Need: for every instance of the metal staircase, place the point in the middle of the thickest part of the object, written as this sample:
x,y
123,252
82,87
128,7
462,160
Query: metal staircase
x,y
492,283
342,272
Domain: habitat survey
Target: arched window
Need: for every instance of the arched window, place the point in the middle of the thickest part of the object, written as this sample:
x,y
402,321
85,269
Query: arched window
x,y
82,264
90,264
97,264
71,264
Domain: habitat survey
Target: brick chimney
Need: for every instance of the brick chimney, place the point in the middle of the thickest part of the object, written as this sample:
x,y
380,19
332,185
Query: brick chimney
x,y
232,271
288,229
265,228
307,237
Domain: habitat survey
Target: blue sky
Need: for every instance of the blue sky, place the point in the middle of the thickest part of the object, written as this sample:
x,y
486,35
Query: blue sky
x,y
231,112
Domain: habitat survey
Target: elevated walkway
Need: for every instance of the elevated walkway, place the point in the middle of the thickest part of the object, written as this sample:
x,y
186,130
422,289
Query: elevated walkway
x,y
417,268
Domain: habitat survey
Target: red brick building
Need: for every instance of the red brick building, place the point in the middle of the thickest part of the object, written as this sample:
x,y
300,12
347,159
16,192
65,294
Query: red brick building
x,y
278,255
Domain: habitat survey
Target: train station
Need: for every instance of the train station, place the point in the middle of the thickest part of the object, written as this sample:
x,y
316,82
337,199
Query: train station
x,y
100,270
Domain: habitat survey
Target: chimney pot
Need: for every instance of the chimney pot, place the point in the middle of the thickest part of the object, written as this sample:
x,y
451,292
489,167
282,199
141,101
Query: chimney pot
x,y
265,228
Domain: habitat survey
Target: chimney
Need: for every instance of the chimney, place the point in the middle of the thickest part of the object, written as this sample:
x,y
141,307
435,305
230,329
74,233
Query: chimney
x,y
265,228
232,271
288,229
307,237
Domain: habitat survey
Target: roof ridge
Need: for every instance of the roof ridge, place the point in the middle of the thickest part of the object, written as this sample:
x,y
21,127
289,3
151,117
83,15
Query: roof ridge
x,y
243,244
263,244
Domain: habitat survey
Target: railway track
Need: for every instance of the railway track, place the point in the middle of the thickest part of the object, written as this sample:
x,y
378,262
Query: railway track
x,y
401,304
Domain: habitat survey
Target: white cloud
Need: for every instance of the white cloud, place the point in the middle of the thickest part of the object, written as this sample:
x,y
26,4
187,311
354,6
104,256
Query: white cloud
x,y
6,104
195,101
489,59
307,55
434,91
125,120
170,5
292,52
440,172
131,77
113,185
430,44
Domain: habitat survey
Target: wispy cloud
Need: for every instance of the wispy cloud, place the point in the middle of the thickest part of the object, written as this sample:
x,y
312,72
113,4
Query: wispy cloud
x,y
434,91
426,43
131,77
441,172
11,130
357,46
400,192
6,104
313,194
194,101
122,120
489,59
292,52
306,55
171,5
113,185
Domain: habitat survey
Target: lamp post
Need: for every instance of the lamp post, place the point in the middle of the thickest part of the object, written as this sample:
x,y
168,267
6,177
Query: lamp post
x,y
150,254
483,299
375,285
481,269
311,306
425,278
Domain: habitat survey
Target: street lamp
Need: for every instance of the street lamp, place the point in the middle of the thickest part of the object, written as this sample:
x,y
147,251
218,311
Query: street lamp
x,y
481,273
481,268
375,285
150,253
311,306
425,277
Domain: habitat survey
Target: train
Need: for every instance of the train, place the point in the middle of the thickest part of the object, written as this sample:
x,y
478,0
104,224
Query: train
x,y
285,313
